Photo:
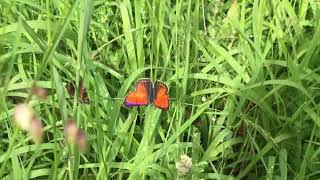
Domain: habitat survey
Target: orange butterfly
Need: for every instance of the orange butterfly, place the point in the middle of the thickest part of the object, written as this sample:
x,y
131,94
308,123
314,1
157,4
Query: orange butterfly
x,y
147,92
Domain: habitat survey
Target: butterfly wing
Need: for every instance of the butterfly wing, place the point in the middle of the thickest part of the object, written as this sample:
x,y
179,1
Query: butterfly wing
x,y
84,98
83,93
161,96
70,88
140,96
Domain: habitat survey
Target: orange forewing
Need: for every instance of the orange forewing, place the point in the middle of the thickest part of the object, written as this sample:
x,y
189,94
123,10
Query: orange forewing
x,y
161,97
139,96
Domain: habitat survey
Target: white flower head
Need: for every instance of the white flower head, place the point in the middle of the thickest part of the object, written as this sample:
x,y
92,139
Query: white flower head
x,y
184,165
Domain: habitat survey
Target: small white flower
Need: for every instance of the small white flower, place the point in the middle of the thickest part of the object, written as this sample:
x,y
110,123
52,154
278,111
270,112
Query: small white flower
x,y
184,165
203,99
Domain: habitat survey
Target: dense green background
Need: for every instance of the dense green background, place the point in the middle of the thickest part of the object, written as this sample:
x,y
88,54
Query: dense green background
x,y
244,80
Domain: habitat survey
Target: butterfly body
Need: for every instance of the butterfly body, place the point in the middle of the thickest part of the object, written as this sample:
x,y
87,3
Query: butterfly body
x,y
146,93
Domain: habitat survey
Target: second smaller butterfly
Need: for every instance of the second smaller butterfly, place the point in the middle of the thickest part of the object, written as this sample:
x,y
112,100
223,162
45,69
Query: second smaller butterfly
x,y
84,98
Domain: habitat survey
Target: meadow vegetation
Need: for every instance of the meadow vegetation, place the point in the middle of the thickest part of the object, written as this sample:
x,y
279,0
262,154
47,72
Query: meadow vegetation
x,y
243,78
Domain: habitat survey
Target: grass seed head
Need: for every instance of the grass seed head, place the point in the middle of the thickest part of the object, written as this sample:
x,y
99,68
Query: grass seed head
x,y
23,114
36,130
75,135
39,92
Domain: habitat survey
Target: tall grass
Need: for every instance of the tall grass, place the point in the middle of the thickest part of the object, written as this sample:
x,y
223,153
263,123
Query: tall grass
x,y
244,82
